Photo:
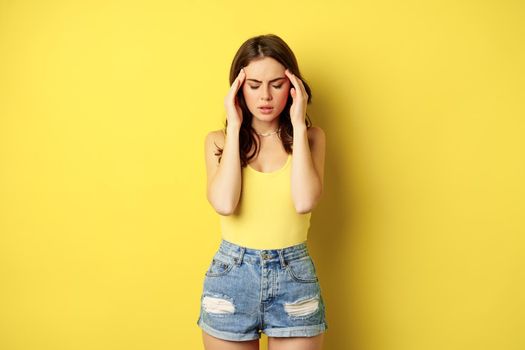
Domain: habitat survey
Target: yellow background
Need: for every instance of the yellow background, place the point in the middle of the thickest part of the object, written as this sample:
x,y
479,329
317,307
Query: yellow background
x,y
105,231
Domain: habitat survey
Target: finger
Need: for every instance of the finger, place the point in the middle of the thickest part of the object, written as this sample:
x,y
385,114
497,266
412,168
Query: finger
x,y
301,85
290,76
294,80
237,83
296,89
242,75
240,79
239,76
298,84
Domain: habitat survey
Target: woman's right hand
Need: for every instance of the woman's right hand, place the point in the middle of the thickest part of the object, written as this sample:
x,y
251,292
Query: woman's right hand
x,y
231,103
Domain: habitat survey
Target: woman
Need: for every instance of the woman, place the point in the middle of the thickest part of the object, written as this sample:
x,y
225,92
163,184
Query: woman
x,y
265,175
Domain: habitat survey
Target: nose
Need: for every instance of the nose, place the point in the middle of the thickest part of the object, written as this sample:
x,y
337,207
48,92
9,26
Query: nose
x,y
265,95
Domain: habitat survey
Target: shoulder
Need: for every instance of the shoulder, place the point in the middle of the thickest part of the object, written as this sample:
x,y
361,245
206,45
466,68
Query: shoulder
x,y
216,137
213,141
315,133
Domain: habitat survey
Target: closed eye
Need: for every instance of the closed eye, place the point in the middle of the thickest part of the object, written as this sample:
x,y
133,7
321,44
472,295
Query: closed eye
x,y
275,86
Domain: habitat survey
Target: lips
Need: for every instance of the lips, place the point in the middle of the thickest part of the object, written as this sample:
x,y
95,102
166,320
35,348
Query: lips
x,y
266,110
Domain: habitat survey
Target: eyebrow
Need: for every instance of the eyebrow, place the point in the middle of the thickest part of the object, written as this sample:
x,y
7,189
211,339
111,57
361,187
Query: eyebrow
x,y
258,81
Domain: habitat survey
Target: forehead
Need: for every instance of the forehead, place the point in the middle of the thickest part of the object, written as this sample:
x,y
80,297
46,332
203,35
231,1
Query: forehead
x,y
264,69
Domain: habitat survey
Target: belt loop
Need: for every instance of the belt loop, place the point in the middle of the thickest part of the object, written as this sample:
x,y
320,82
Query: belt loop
x,y
238,260
281,257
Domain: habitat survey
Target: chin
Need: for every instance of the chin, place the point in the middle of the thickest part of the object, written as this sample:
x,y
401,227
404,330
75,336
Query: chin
x,y
266,117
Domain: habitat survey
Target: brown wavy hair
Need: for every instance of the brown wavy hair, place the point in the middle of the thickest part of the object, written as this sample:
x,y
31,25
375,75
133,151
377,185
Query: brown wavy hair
x,y
258,47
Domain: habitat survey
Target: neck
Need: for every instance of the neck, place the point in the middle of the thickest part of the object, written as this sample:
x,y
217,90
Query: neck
x,y
265,127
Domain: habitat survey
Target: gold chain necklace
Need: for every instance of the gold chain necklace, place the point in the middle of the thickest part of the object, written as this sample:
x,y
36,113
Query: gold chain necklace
x,y
268,134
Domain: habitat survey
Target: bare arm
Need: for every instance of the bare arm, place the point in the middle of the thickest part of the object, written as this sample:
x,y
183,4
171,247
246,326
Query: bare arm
x,y
307,168
224,178
307,164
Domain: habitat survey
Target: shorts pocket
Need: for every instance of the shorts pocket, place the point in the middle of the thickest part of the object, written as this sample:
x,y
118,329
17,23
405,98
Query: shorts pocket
x,y
219,266
302,270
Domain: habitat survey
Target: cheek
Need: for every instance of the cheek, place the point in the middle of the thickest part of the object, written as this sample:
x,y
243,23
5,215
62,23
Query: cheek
x,y
250,96
283,95
249,93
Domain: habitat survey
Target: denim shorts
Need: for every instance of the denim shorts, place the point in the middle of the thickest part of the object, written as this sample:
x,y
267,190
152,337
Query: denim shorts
x,y
248,291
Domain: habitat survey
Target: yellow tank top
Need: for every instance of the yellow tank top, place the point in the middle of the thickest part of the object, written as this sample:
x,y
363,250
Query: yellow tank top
x,y
265,217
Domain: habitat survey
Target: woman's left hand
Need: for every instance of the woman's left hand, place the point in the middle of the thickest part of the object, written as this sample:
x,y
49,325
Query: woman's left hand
x,y
300,100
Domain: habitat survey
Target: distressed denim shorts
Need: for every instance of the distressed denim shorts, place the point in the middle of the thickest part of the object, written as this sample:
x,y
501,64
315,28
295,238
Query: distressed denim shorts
x,y
249,291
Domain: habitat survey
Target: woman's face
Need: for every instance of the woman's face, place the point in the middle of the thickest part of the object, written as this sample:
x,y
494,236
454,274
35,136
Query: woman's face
x,y
266,85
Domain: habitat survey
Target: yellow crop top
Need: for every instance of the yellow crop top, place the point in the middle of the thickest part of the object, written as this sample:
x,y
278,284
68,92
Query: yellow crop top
x,y
265,217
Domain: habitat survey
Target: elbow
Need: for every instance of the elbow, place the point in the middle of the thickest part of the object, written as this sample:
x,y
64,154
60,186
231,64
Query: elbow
x,y
306,207
224,211
222,208
304,210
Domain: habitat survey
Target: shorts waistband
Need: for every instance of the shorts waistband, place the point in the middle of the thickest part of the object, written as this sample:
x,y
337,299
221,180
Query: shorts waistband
x,y
283,255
